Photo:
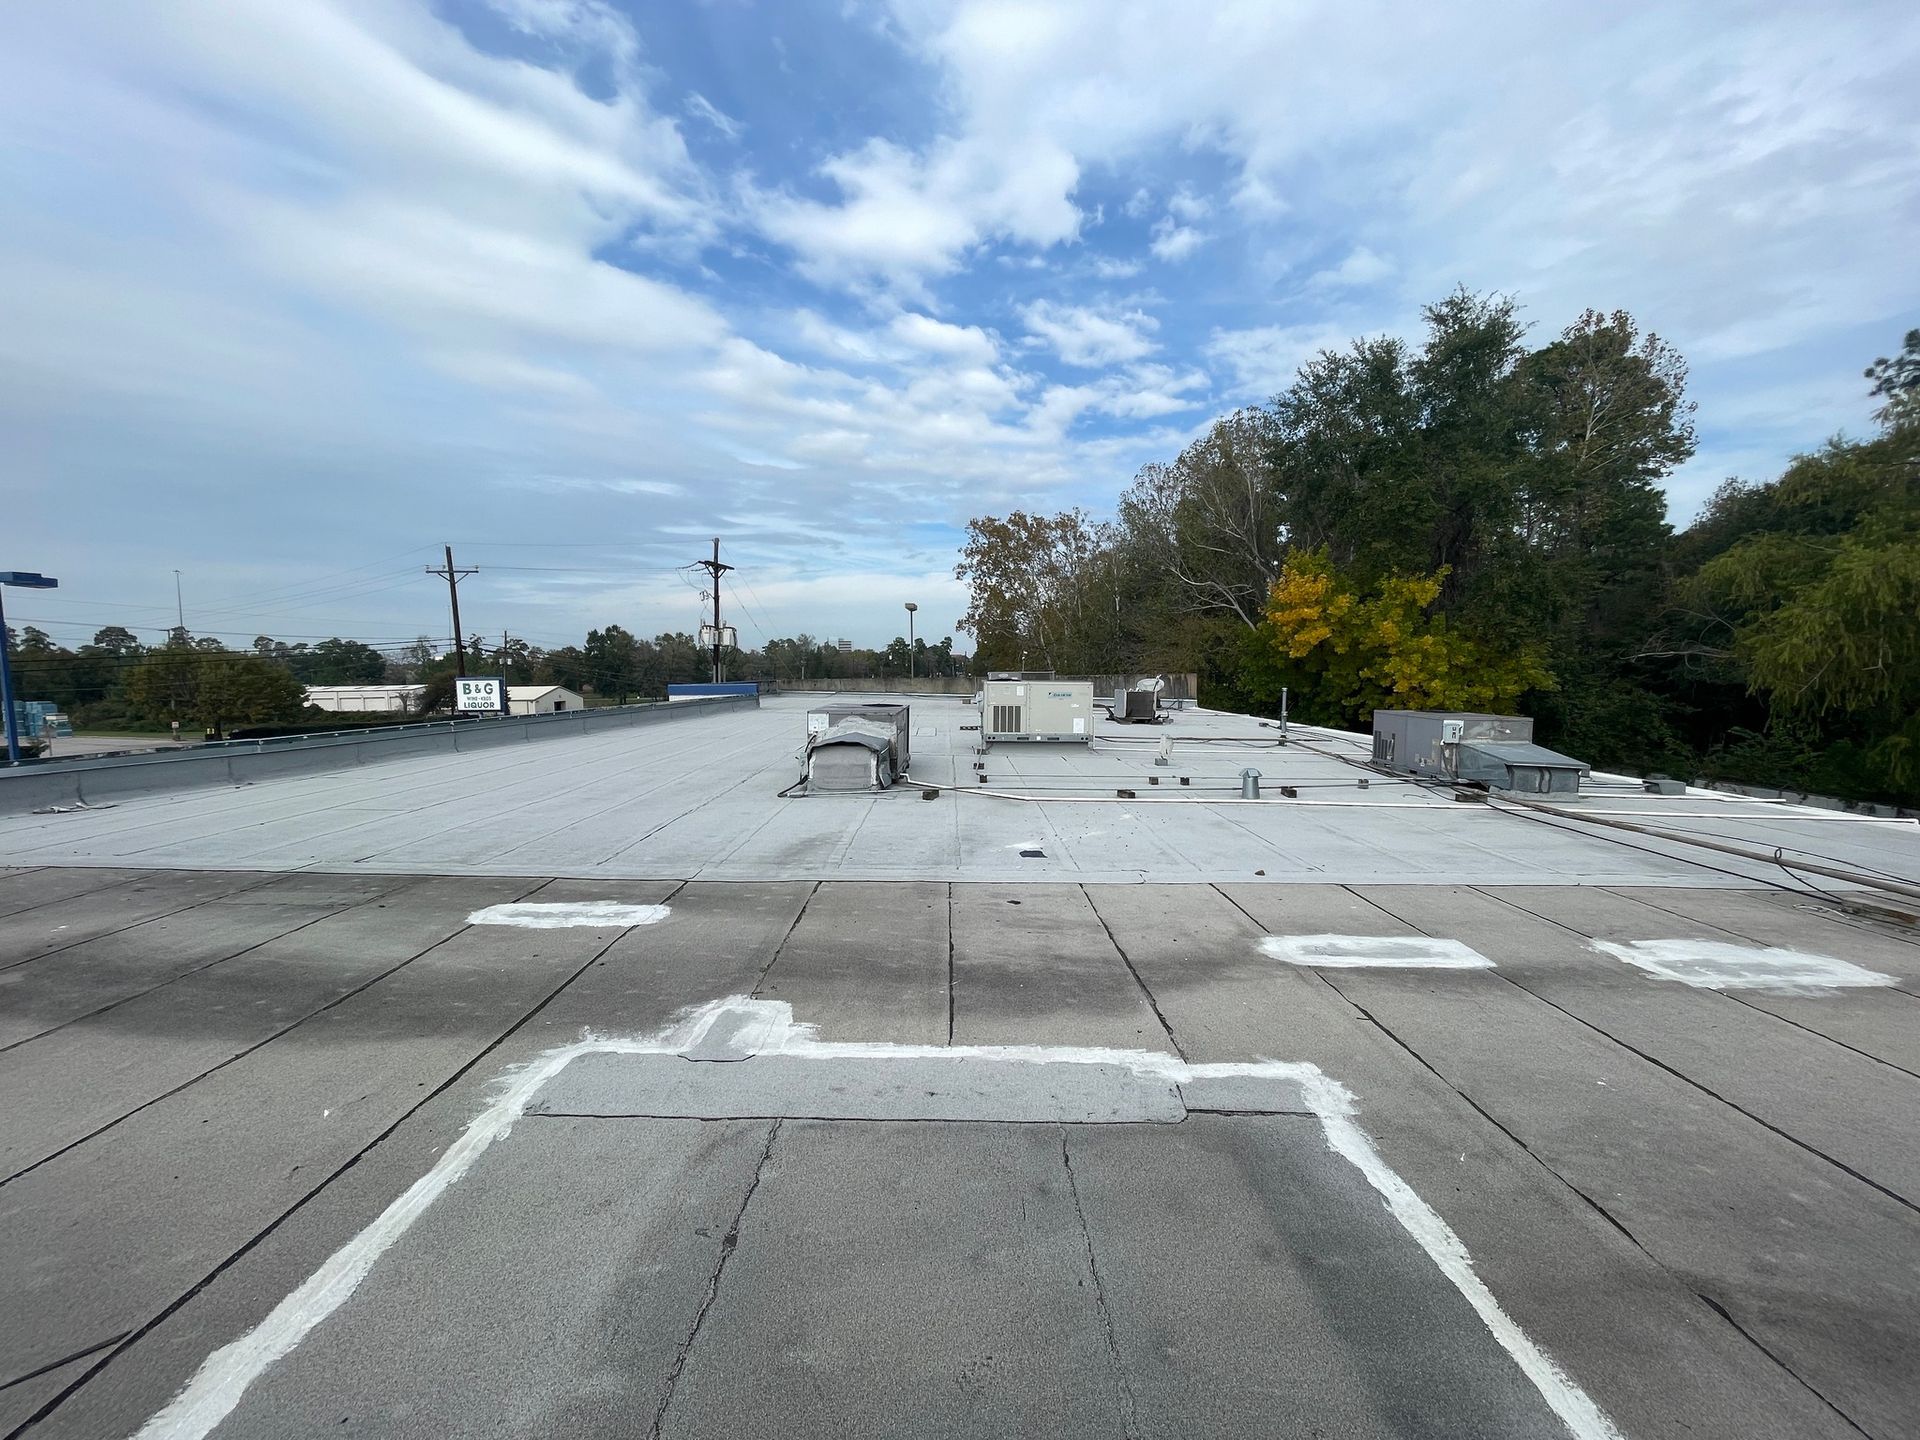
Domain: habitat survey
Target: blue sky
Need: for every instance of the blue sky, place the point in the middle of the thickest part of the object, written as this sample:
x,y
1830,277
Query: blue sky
x,y
293,291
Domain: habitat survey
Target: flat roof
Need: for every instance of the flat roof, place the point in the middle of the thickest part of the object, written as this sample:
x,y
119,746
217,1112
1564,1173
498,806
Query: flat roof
x,y
705,799
850,1118
304,1152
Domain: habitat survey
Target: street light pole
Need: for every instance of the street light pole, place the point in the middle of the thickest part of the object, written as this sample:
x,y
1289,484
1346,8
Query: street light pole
x,y
911,607
26,580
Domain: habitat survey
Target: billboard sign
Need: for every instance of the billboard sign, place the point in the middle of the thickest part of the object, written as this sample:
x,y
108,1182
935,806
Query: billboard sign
x,y
480,694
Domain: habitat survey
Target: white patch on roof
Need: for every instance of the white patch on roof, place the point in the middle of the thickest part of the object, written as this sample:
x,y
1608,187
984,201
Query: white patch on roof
x,y
1715,965
1382,952
767,1027
561,916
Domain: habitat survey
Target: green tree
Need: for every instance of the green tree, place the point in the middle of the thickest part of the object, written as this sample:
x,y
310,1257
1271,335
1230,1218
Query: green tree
x,y
116,640
568,667
212,688
613,663
1896,380
1210,521
1808,595
1038,589
681,660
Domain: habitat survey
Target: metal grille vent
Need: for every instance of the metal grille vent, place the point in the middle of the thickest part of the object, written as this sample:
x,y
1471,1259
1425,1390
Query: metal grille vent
x,y
1006,720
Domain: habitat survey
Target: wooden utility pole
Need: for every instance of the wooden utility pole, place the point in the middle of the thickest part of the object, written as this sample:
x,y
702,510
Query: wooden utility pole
x,y
714,568
453,578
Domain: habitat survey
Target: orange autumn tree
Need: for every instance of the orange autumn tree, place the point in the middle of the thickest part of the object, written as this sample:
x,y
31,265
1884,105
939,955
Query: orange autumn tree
x,y
1345,649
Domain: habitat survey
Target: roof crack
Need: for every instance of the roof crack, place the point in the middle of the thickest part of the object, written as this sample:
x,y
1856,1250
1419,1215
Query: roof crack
x,y
1122,1382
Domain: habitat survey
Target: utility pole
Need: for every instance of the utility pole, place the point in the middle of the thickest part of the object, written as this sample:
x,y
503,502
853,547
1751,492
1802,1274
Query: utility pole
x,y
453,578
714,568
179,605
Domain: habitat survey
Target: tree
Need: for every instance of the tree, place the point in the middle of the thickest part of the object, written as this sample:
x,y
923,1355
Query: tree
x,y
342,662
681,661
414,659
613,663
896,659
1896,380
436,693
568,666
213,688
1609,422
1810,597
116,640
234,689
1036,585
1348,649
1210,521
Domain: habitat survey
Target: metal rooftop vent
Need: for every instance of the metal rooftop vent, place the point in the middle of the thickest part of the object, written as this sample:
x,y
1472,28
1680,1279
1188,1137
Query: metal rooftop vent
x,y
1492,750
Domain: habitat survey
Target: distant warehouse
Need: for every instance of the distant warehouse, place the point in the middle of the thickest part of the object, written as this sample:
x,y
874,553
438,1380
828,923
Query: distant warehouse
x,y
402,699
365,698
542,699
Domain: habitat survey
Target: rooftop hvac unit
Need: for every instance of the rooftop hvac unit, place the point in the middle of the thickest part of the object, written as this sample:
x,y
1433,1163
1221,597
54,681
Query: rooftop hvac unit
x,y
1035,706
1138,704
857,745
1492,750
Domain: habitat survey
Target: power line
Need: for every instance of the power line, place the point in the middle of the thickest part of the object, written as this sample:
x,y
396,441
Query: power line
x,y
766,634
323,581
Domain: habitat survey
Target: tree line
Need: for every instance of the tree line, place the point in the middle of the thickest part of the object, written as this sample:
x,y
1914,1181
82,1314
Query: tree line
x,y
1470,522
116,681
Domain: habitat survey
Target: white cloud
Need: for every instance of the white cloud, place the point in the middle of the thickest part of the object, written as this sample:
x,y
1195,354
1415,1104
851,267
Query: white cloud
x,y
1263,358
937,337
1786,135
326,268
908,340
1185,206
1083,336
1361,267
1174,242
905,217
702,108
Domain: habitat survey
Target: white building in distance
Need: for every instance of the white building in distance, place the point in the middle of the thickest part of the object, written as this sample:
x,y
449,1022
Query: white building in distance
x,y
394,699
542,699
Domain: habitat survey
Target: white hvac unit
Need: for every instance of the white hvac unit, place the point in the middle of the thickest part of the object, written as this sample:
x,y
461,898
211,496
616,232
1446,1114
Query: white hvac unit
x,y
1035,705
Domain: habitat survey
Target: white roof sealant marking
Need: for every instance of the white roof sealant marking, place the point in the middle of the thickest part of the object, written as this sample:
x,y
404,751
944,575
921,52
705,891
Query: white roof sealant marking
x,y
1374,952
1716,965
558,915
224,1376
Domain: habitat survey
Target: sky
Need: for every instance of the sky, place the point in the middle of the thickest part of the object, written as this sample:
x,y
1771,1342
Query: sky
x,y
294,292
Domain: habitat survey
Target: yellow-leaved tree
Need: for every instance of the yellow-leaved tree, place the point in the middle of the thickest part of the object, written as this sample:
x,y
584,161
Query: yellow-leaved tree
x,y
1346,649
